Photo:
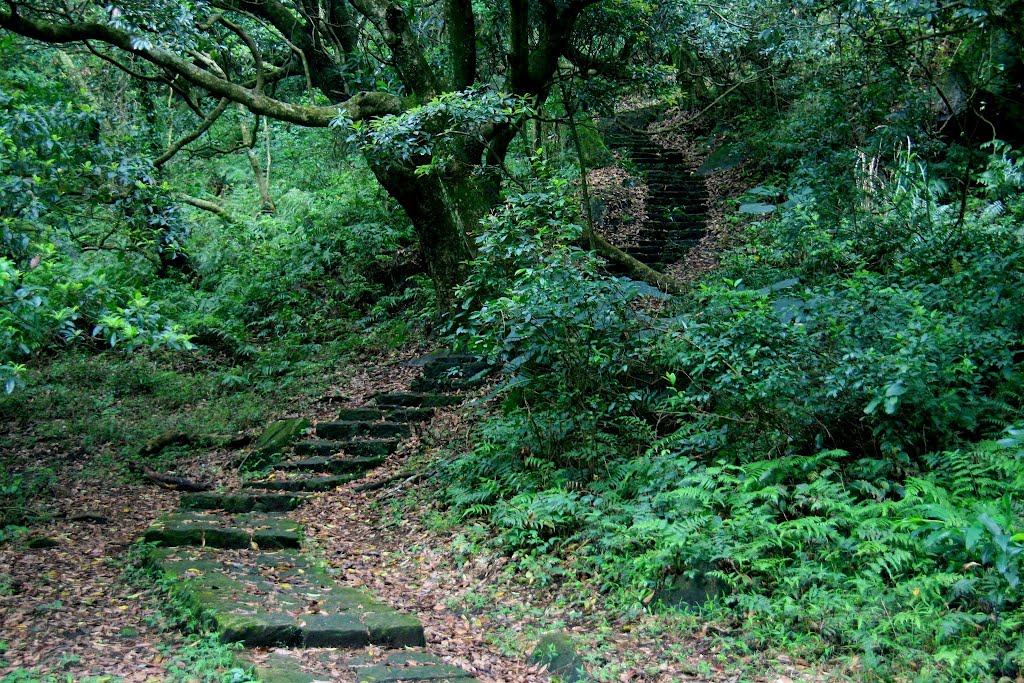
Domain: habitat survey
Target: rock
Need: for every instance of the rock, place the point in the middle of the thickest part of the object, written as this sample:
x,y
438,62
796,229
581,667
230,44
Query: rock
x,y
275,439
556,650
461,370
91,517
282,666
725,158
689,593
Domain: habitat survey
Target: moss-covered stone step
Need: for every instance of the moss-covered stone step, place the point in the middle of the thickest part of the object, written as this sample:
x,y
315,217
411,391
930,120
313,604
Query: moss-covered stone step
x,y
283,666
447,368
239,501
384,414
266,530
329,464
282,599
444,384
302,483
409,399
353,414
360,448
410,414
342,429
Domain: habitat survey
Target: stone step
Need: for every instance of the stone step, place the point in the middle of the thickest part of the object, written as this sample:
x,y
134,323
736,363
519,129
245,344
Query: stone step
x,y
282,599
658,159
266,530
646,251
236,501
455,357
405,399
410,414
331,465
396,667
384,414
673,213
342,429
443,369
360,414
673,199
675,190
301,482
323,665
360,448
427,385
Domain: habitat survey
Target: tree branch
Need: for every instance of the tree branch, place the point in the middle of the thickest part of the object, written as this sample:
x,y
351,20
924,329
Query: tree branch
x,y
206,205
203,126
634,268
360,106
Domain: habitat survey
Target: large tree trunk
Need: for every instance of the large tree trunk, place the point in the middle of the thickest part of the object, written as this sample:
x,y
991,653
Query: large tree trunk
x,y
443,212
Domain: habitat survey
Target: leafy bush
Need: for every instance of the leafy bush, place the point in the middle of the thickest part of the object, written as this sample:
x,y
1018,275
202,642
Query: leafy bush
x,y
570,338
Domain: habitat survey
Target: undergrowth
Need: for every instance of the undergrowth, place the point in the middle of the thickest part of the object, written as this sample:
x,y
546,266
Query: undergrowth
x,y
822,437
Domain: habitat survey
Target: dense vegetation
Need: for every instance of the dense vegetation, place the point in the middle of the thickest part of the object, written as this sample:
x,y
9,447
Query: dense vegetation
x,y
822,436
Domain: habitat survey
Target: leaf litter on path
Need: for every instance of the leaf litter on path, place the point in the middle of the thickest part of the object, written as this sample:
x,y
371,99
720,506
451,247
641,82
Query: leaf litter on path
x,y
68,609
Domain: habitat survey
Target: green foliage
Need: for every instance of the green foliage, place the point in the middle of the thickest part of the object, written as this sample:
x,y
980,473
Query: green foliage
x,y
566,333
818,447
20,495
423,135
66,193
308,279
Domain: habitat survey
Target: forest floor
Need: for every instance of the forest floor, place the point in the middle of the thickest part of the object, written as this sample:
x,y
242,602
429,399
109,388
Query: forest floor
x,y
72,612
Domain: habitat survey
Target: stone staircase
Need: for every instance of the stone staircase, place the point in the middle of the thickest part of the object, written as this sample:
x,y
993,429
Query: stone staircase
x,y
237,556
676,200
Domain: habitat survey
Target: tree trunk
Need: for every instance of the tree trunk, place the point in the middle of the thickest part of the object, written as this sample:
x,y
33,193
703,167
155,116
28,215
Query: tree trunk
x,y
439,210
262,181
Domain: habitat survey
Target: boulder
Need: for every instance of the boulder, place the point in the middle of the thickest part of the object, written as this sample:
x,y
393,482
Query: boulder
x,y
275,439
557,651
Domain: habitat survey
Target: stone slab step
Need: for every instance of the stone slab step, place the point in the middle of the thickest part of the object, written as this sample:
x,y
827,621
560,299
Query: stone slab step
x,y
235,501
356,414
330,465
359,448
283,666
266,530
442,355
404,399
342,429
442,369
410,414
303,483
427,385
282,599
